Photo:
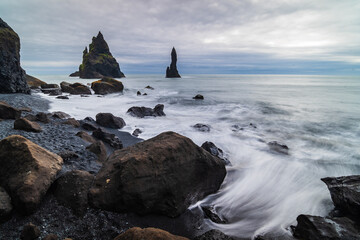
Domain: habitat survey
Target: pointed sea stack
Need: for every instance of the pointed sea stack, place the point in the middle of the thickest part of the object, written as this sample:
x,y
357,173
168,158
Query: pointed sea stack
x,y
172,72
98,62
12,76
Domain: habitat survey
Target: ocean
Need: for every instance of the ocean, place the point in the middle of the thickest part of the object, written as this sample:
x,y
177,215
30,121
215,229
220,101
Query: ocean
x,y
317,117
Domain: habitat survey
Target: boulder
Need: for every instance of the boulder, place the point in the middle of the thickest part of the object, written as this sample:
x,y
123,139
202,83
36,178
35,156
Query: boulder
x,y
109,120
27,171
52,91
136,132
26,125
62,97
149,87
108,138
202,127
49,86
98,61
34,82
60,115
12,76
107,85
5,205
210,212
30,232
72,122
75,88
137,233
99,149
213,234
71,190
86,137
345,193
215,151
141,112
138,93
67,155
171,71
43,117
7,111
199,97
278,147
51,236
320,228
88,126
75,74
162,175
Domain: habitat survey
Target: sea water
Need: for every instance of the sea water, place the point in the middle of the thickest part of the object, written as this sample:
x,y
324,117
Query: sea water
x,y
317,117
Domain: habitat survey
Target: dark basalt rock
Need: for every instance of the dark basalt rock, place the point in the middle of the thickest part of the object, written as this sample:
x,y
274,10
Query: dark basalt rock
x,y
149,87
98,62
138,93
202,127
75,74
50,85
108,138
141,112
137,233
41,117
210,213
51,236
162,175
75,88
136,132
86,137
30,232
345,193
99,149
12,76
26,125
60,115
213,234
107,85
172,72
62,97
199,97
278,147
72,122
52,91
88,126
215,151
68,155
34,82
109,120
8,112
5,205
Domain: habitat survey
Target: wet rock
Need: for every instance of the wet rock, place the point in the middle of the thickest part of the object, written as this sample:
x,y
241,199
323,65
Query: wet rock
x,y
209,212
107,85
252,125
319,228
99,149
71,190
72,122
162,175
60,115
138,93
278,147
51,237
108,138
12,76
141,112
144,94
75,88
199,97
202,127
30,232
98,61
52,91
88,126
68,155
62,97
7,111
49,86
136,132
27,171
171,71
109,120
236,128
26,125
345,193
213,234
86,137
137,233
34,82
75,74
149,87
43,117
5,205
215,151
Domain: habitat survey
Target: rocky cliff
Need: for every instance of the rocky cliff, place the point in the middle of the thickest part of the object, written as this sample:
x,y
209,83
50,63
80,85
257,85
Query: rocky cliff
x,y
98,61
172,72
12,76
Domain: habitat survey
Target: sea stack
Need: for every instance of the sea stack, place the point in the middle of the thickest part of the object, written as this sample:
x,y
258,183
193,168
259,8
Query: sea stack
x,y
172,72
98,62
12,76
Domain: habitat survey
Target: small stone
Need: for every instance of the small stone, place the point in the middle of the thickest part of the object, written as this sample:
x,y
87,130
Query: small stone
x,y
30,232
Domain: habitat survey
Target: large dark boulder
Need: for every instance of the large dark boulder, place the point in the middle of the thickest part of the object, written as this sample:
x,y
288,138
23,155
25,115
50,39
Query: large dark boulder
x,y
75,88
162,175
26,125
141,112
30,232
5,205
98,62
109,120
345,193
27,171
107,85
137,233
8,112
12,76
108,138
75,74
99,149
172,72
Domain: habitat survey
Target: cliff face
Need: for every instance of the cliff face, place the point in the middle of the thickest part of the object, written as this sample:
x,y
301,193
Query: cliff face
x,y
172,72
98,62
12,76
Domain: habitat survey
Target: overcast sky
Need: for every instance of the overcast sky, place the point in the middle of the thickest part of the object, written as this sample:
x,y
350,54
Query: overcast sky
x,y
228,36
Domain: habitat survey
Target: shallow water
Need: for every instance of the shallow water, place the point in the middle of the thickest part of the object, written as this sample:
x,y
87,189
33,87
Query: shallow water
x,y
317,117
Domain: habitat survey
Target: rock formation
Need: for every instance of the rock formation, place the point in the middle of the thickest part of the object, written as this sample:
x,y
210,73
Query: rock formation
x,y
75,88
98,62
34,82
172,72
142,112
107,85
12,76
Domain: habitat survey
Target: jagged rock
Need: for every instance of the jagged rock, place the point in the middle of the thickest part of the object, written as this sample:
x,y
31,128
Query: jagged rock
x,y
75,74
26,125
141,112
62,97
202,127
210,213
7,111
60,115
88,126
109,120
71,190
27,171
99,62
107,85
12,76
278,147
75,88
144,94
108,138
51,236
86,137
136,132
137,233
49,85
34,82
99,149
199,97
30,232
345,193
162,175
5,205
320,228
149,87
138,93
172,72
215,151
213,234
72,122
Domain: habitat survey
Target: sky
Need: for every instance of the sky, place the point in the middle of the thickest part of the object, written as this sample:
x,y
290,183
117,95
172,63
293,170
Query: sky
x,y
216,37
